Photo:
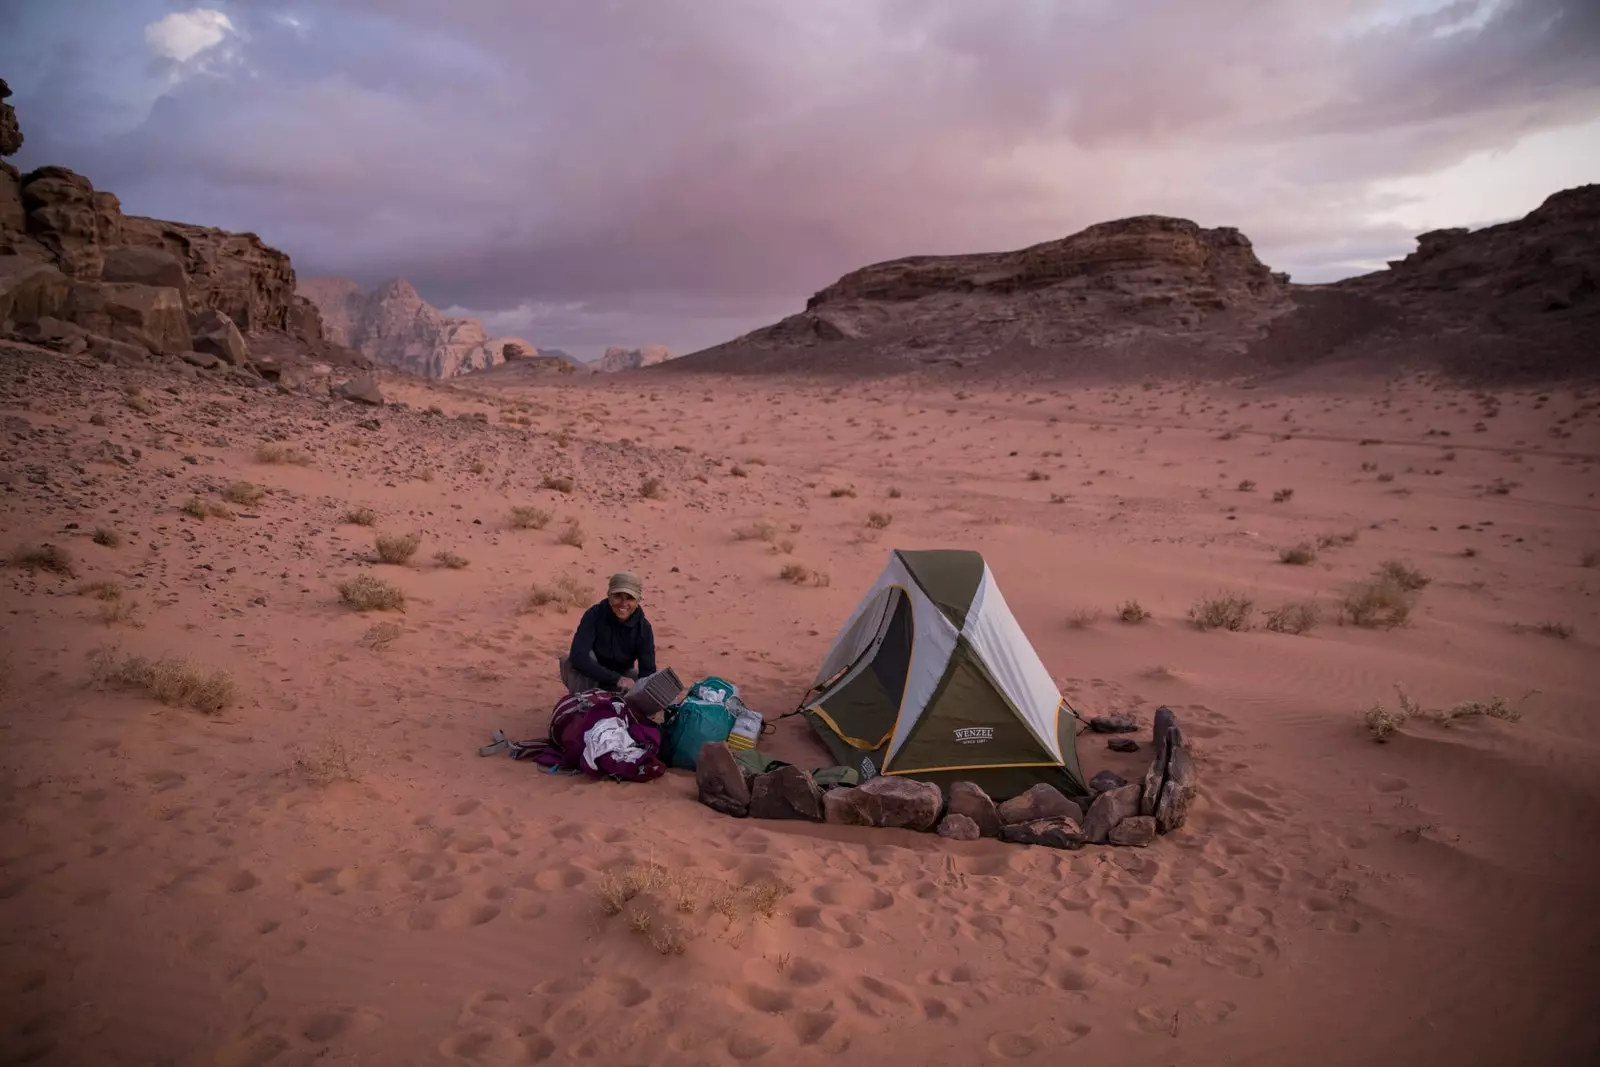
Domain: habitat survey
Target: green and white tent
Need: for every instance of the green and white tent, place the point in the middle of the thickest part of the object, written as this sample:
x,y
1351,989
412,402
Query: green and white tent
x,y
932,678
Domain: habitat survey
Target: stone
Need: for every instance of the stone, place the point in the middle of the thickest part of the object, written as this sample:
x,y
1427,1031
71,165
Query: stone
x,y
1122,744
1109,809
720,780
885,801
786,793
1136,831
12,215
62,217
893,801
236,273
1043,801
362,389
967,798
109,350
146,266
1055,832
203,360
30,290
1178,793
1105,780
958,827
150,316
10,132
1114,724
214,332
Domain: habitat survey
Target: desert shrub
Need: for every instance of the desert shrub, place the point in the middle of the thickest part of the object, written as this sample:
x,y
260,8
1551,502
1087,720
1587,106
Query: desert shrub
x,y
1402,574
1247,486
529,518
171,680
801,574
560,483
361,516
101,590
1132,613
52,558
104,535
139,403
367,593
1551,628
1497,707
397,548
1338,540
1300,555
879,520
1083,618
1378,603
328,763
783,546
1229,611
205,509
738,471
1295,618
1282,496
842,491
572,534
894,493
381,635
563,593
278,452
1038,476
1383,722
243,493
652,489
760,530
450,559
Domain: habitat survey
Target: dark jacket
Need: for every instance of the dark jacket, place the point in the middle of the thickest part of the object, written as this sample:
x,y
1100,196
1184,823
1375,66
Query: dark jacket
x,y
605,647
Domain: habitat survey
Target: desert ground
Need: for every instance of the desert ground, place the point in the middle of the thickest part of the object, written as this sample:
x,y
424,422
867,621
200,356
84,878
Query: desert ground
x,y
307,861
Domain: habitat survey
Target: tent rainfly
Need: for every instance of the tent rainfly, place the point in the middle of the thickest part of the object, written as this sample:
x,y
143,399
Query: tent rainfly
x,y
932,678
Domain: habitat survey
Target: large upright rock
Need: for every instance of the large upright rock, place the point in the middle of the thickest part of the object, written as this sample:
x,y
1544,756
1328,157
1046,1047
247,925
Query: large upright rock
x,y
29,290
149,316
10,132
394,326
215,334
786,793
1170,784
720,781
64,217
969,799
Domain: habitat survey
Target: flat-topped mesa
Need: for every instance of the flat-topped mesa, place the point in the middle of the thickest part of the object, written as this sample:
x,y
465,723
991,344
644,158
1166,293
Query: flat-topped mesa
x,y
1148,250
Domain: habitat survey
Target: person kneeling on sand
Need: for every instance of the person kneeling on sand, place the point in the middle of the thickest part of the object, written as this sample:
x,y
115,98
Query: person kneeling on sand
x,y
614,645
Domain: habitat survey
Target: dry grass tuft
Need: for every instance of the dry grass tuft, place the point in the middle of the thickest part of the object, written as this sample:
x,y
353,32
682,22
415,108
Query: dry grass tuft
x,y
1132,613
1549,628
564,593
738,471
800,574
1295,618
572,534
560,483
1300,555
1038,476
1247,486
171,680
1230,611
245,494
879,520
652,488
842,491
1338,540
1282,496
1378,603
1083,618
52,558
101,590
278,452
529,518
360,517
1403,574
397,548
327,764
381,635
895,493
367,593
104,535
206,509
450,559
1382,722
1498,707
760,530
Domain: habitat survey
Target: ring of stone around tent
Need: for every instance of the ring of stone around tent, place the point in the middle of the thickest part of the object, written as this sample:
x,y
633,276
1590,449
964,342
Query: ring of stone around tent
x,y
932,678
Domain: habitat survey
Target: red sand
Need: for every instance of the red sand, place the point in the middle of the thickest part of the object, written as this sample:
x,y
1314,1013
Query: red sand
x,y
189,890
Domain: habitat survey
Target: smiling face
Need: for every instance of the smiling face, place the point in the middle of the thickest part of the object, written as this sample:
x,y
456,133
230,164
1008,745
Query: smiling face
x,y
622,605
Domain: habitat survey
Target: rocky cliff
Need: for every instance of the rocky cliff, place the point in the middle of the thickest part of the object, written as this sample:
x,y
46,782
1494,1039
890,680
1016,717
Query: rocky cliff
x,y
618,359
394,326
1152,295
76,273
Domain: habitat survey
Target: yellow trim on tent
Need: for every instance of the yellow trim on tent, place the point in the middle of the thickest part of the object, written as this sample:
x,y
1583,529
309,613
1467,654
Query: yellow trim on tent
x,y
973,767
853,742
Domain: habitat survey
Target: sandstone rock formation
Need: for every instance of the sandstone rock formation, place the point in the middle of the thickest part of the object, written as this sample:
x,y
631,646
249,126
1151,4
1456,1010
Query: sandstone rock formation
x,y
10,132
620,359
69,255
394,326
1155,295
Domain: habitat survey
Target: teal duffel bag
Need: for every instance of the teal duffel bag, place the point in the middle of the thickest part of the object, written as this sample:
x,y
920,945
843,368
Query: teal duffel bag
x,y
700,717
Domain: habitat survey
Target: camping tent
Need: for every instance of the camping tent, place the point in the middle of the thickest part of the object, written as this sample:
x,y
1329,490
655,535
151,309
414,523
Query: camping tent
x,y
933,679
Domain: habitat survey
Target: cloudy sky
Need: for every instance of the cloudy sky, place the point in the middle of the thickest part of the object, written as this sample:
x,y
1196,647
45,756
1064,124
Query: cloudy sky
x,y
593,172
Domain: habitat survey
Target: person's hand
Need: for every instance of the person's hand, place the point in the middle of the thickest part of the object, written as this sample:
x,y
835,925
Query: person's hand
x,y
625,684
